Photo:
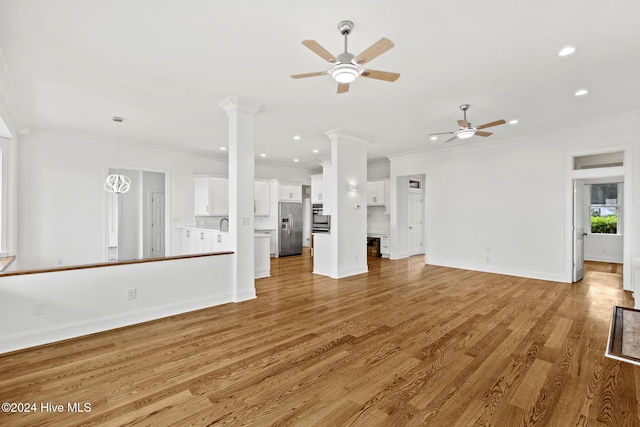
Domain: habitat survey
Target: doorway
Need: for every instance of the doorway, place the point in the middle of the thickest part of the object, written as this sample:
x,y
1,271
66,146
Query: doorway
x,y
136,224
408,216
587,170
415,210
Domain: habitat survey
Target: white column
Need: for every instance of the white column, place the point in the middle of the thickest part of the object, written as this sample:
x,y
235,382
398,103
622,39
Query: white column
x,y
241,151
346,199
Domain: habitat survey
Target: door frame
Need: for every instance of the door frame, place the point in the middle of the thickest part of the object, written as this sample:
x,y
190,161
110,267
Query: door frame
x,y
420,191
624,171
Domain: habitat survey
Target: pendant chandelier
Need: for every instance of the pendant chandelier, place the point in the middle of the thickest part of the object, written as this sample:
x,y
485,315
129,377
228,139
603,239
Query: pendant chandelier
x,y
117,183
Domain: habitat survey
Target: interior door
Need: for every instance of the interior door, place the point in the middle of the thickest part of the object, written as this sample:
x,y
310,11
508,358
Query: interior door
x,y
157,224
578,230
415,223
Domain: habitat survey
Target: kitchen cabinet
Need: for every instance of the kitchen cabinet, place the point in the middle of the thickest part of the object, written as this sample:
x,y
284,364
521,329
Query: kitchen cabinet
x,y
202,196
385,248
201,240
272,239
262,198
317,189
375,193
289,192
211,196
261,259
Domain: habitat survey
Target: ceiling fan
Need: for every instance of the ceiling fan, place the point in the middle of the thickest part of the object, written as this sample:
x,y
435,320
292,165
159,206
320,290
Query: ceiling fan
x,y
347,66
466,130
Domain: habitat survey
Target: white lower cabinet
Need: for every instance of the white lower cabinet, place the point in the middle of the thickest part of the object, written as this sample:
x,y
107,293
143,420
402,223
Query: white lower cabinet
x,y
199,240
385,248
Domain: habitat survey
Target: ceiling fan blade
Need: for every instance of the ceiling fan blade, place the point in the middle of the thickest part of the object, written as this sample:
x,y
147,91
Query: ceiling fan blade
x,y
441,133
488,125
380,75
483,133
375,50
452,138
343,87
315,47
317,73
463,123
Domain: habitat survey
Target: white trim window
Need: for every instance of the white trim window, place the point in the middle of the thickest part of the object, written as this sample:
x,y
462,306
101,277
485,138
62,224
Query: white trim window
x,y
605,208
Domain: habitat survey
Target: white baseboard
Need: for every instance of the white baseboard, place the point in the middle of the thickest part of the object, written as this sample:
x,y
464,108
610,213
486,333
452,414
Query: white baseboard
x,y
105,323
598,258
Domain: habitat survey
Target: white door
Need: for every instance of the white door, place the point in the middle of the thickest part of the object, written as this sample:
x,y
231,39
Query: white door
x,y
415,223
578,230
157,224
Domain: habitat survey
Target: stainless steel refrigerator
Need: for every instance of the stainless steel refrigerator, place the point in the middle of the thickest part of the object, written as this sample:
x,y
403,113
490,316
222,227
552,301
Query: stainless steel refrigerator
x,y
290,241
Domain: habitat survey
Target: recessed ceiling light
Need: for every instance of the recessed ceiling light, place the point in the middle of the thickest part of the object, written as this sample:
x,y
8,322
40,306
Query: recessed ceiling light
x,y
223,148
296,160
514,122
434,138
566,51
296,137
581,92
315,150
263,155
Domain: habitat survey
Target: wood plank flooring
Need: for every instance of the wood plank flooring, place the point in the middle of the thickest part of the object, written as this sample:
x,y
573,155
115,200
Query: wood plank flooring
x,y
406,344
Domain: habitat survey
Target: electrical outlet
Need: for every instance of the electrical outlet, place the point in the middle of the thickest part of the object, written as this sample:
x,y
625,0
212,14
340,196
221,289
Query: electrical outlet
x,y
131,293
39,308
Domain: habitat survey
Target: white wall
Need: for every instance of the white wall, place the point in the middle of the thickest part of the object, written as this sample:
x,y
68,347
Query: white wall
x,y
501,206
79,302
603,248
62,203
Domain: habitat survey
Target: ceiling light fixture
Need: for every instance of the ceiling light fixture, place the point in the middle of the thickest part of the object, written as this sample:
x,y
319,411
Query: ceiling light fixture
x,y
345,73
316,150
117,183
263,155
296,137
566,51
296,160
223,148
581,92
434,138
466,133
514,122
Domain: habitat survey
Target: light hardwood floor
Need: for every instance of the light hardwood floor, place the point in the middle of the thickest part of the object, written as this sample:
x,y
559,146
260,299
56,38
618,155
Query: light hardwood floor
x,y
406,344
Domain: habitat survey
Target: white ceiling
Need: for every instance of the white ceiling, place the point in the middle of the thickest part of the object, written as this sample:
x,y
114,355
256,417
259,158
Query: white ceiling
x,y
164,65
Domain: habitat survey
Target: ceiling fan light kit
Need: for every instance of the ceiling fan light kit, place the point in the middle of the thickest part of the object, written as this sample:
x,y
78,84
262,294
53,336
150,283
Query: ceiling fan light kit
x,y
348,67
465,133
345,73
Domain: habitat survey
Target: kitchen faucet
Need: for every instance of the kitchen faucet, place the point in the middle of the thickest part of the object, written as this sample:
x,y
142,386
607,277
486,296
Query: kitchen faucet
x,y
224,219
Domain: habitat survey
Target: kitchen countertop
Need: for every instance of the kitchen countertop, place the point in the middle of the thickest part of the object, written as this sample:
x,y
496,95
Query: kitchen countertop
x,y
193,227
377,232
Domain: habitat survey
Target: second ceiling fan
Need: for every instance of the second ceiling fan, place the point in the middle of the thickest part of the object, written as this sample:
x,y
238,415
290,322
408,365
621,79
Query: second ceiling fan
x,y
347,66
466,130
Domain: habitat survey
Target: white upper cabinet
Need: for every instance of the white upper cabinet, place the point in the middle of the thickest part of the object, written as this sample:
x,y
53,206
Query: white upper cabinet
x,y
202,196
211,196
219,195
262,198
317,189
376,193
289,192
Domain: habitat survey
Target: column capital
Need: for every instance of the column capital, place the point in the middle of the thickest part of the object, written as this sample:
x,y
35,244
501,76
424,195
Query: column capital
x,y
338,134
242,105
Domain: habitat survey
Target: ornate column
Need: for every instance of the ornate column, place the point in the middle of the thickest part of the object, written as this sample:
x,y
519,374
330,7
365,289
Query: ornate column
x,y
241,151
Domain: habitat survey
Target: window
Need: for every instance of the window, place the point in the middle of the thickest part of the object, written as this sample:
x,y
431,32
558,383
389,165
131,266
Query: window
x,y
605,209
